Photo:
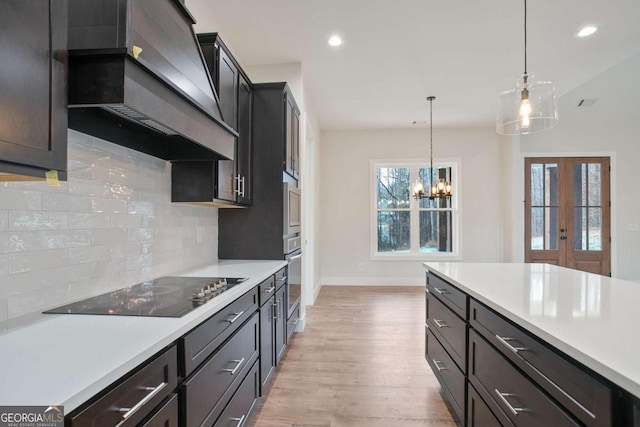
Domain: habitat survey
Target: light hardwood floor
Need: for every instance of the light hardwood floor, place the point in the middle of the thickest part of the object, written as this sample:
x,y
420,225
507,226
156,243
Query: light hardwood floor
x,y
359,363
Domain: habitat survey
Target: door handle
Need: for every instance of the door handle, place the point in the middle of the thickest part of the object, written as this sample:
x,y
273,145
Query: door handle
x,y
563,237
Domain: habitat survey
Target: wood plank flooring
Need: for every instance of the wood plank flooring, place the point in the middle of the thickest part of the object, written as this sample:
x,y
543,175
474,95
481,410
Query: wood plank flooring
x,y
359,362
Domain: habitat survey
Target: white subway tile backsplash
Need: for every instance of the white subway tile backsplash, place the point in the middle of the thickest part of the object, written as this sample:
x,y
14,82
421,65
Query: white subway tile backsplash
x,y
37,220
20,241
65,238
66,275
62,202
108,205
89,254
11,198
88,220
21,262
112,224
4,218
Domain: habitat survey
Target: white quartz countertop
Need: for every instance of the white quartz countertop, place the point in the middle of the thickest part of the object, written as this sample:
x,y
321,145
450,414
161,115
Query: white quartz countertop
x,y
65,359
589,317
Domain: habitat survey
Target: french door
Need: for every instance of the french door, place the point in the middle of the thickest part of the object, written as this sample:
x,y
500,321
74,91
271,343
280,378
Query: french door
x,y
568,212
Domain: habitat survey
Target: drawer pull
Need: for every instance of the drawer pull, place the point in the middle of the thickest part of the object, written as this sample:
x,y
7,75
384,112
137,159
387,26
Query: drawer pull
x,y
503,397
127,412
441,291
440,323
282,280
268,291
235,317
438,367
239,420
505,342
234,370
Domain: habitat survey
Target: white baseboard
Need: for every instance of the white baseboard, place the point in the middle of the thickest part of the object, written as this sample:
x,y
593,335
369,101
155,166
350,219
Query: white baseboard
x,y
371,281
301,323
316,291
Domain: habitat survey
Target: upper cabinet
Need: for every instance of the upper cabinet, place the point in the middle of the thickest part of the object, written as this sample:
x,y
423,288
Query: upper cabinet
x,y
292,139
33,89
228,182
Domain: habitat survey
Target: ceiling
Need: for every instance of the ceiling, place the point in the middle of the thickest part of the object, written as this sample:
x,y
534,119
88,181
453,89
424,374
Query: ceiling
x,y
396,53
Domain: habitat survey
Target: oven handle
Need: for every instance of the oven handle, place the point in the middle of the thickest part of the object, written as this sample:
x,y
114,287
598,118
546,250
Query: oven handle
x,y
291,258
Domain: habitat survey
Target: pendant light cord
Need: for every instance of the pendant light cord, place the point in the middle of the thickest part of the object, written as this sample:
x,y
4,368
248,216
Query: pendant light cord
x,y
431,142
525,37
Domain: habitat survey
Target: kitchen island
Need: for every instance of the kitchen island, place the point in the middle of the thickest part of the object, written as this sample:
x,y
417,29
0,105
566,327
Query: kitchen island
x,y
61,359
567,333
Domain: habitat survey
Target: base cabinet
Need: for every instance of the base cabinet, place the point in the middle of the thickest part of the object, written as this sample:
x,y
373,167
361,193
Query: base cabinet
x,y
239,408
493,372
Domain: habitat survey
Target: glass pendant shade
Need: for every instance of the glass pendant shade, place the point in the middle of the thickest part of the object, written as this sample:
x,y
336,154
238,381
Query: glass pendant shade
x,y
530,107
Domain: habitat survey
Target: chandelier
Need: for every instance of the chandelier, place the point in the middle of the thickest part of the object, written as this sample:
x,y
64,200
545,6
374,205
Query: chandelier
x,y
442,188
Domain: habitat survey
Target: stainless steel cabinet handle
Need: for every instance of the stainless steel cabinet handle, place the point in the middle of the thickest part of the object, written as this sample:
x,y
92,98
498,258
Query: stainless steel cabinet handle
x,y
438,367
235,317
127,412
268,291
241,185
236,188
274,312
441,291
233,371
283,279
239,420
440,323
505,341
503,398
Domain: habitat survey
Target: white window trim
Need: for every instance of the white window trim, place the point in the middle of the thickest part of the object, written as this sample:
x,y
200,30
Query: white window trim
x,y
456,171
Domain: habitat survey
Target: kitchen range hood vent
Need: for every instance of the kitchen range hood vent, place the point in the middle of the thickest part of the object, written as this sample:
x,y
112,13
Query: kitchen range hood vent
x,y
137,78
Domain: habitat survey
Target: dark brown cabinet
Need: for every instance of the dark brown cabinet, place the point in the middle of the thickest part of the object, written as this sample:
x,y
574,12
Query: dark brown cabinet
x,y
280,324
135,398
227,182
292,138
33,88
494,372
257,233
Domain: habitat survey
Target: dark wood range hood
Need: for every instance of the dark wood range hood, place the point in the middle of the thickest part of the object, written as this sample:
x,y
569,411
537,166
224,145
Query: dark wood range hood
x,y
137,78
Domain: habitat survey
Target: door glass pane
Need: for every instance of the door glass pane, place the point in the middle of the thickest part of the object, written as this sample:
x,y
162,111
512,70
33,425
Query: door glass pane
x,y
393,231
393,188
537,228
551,228
551,184
544,184
594,240
436,230
594,191
537,184
544,228
580,234
580,184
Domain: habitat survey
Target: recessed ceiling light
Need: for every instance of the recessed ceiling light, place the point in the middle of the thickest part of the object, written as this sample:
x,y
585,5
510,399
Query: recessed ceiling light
x,y
587,31
335,41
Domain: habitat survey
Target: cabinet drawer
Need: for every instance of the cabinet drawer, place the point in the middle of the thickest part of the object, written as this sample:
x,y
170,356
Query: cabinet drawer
x,y
198,344
450,377
281,277
133,399
450,330
454,298
499,383
208,390
266,290
237,412
166,416
478,413
584,396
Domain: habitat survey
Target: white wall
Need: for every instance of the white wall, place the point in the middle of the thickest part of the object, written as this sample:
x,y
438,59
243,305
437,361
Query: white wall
x,y
345,199
610,127
111,225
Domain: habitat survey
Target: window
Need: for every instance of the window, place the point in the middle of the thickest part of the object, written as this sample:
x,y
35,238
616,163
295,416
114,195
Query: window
x,y
403,228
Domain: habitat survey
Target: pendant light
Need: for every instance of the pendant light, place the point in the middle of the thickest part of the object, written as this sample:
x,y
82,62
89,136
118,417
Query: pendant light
x,y
440,189
530,107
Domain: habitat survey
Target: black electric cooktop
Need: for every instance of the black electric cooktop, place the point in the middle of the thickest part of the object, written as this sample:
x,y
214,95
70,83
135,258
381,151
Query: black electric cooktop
x,y
162,297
